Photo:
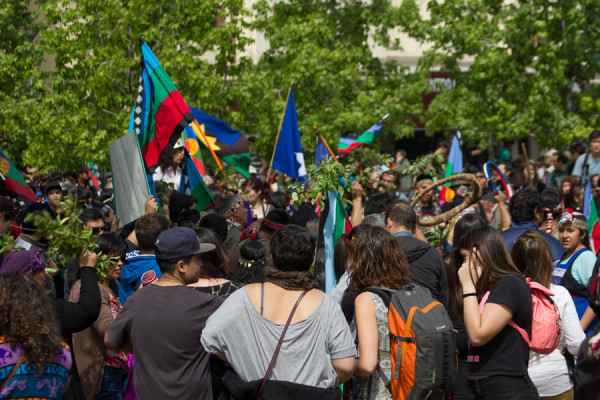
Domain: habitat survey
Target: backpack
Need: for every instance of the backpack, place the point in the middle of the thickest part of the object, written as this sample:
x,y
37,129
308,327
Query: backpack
x,y
422,344
546,325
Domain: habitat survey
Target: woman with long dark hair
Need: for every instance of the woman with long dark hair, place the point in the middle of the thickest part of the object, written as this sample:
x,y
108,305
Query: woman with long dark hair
x,y
376,260
549,372
498,355
259,197
212,272
33,359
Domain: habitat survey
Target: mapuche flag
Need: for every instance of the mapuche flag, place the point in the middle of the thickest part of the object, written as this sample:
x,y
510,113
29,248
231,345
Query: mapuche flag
x,y
454,166
193,184
14,183
229,144
346,145
160,113
591,214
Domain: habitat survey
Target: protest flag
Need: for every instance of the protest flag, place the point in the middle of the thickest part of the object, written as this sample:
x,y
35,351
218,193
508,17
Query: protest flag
x,y
287,156
14,183
453,166
193,184
591,214
346,145
334,221
322,150
160,113
230,145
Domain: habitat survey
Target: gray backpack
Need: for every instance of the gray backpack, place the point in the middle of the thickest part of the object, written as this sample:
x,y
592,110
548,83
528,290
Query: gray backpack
x,y
422,344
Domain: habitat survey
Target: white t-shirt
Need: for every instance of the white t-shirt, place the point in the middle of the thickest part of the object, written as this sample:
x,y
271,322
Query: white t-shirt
x,y
549,371
168,176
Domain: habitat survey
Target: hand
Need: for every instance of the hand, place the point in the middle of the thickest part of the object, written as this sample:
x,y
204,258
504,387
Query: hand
x,y
356,189
88,260
114,226
501,198
470,272
151,207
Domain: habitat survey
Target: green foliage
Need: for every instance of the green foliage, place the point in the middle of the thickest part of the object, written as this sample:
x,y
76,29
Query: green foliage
x,y
532,68
330,175
339,85
67,237
430,164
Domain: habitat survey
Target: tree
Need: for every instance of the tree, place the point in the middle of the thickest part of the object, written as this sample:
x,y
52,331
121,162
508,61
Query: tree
x,y
323,47
94,84
22,86
532,71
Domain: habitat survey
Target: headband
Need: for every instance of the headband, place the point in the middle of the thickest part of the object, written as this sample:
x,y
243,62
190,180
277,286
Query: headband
x,y
246,263
568,217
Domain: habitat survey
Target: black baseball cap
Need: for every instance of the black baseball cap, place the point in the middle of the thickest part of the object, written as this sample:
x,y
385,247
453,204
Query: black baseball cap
x,y
179,242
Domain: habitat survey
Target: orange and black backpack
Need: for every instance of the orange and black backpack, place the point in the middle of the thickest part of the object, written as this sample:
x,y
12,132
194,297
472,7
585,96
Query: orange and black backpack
x,y
422,344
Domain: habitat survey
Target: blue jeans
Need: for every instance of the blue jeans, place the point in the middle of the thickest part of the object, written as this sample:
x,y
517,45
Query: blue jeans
x,y
500,387
112,384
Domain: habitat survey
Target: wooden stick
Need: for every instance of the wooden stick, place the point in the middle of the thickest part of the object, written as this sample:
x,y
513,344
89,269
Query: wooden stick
x,y
524,148
279,132
208,144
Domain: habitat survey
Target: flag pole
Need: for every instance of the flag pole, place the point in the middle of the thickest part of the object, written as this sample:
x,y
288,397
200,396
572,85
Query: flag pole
x,y
208,144
325,143
279,132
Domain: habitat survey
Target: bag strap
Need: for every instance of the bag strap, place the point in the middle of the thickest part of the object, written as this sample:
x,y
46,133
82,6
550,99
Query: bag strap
x,y
14,371
285,328
521,331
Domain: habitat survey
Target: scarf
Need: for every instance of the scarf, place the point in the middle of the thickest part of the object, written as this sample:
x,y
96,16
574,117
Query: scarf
x,y
291,280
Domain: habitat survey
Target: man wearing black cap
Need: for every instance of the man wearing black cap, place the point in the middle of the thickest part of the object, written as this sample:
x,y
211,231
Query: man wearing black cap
x,y
163,323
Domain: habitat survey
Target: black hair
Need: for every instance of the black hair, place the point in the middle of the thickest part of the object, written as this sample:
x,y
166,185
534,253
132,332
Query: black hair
x,y
393,173
550,200
403,214
562,158
147,229
214,261
216,223
109,242
169,266
523,205
105,194
189,218
254,271
594,135
292,249
127,229
8,208
90,214
304,214
177,203
280,217
467,223
279,200
375,204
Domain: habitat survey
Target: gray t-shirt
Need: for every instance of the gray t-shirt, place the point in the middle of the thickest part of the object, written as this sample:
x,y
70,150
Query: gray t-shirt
x,y
248,341
164,324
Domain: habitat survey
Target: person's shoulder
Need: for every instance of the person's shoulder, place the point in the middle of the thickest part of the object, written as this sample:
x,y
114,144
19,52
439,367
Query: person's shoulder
x,y
588,257
511,282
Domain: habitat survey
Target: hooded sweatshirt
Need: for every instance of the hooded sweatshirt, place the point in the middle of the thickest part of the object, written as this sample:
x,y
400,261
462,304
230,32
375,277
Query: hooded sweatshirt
x,y
131,274
426,266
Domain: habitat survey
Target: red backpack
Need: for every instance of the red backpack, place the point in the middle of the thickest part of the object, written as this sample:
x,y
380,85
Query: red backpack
x,y
546,325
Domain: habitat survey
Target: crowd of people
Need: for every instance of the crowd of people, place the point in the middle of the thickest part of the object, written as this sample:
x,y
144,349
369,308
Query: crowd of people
x,y
226,302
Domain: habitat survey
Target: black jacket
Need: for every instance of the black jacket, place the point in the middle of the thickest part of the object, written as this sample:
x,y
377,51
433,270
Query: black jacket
x,y
426,267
